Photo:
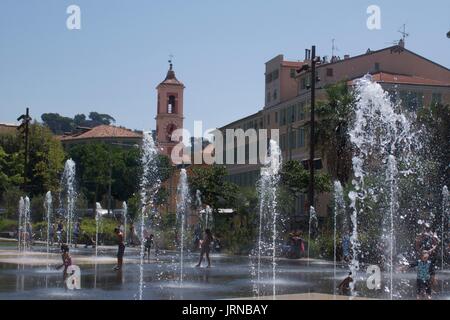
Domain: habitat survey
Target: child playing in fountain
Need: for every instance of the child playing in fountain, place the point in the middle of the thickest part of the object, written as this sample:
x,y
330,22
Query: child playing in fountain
x,y
344,286
59,232
425,272
428,241
120,249
148,244
66,259
205,246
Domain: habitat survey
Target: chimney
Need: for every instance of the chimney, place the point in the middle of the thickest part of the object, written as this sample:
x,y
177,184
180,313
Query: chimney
x,y
307,54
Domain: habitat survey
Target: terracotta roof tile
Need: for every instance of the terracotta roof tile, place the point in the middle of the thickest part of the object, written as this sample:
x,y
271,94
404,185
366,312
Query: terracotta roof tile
x,y
385,77
103,131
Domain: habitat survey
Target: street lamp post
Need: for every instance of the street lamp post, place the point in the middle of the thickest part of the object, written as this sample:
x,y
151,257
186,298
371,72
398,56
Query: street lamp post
x,y
24,129
313,128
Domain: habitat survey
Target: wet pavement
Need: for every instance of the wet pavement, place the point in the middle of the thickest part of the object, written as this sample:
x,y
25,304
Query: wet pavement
x,y
33,276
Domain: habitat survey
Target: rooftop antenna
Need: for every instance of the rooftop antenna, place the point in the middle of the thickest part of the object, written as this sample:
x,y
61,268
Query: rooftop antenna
x,y
334,48
403,33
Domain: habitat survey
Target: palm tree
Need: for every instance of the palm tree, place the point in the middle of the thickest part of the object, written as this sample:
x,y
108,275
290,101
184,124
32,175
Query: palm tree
x,y
332,138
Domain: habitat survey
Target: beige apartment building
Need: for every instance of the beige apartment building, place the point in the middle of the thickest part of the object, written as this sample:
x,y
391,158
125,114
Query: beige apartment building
x,y
417,81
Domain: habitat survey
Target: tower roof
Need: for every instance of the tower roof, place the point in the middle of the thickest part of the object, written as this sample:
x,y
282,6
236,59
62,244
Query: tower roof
x,y
171,79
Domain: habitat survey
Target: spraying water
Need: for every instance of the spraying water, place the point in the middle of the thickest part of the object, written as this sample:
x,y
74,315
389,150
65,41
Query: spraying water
x,y
68,186
125,217
182,207
98,221
445,216
339,212
268,218
312,225
48,209
208,217
149,186
27,225
20,230
24,229
383,141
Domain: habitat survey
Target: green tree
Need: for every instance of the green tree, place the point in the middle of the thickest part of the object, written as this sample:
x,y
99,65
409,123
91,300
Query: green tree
x,y
58,124
101,118
92,169
332,139
46,160
11,170
294,181
216,191
435,122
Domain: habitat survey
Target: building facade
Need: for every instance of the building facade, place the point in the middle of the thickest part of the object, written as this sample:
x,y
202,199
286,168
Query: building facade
x,y
414,80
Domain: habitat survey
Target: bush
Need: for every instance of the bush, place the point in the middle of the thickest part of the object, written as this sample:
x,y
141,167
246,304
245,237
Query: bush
x,y
10,202
7,225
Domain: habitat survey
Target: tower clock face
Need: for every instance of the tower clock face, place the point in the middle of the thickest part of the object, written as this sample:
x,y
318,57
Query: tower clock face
x,y
171,127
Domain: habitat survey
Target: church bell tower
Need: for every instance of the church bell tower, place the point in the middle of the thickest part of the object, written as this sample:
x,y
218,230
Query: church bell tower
x,y
170,111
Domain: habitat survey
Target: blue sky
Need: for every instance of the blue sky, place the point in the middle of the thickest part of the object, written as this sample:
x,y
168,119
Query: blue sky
x,y
113,64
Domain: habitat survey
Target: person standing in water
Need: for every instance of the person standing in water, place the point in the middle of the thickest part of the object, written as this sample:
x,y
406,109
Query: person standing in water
x,y
66,260
59,232
425,272
428,241
120,249
148,244
205,246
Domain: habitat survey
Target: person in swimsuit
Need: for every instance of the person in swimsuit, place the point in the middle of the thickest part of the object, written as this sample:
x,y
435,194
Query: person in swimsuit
x,y
148,245
344,286
205,247
428,241
120,249
425,271
59,232
66,259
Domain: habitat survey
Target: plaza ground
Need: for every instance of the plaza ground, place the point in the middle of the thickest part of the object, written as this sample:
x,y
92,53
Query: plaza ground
x,y
32,276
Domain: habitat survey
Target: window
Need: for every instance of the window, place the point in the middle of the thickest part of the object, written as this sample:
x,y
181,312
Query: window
x,y
283,117
171,105
411,100
268,119
275,75
276,117
393,96
291,114
301,138
329,72
269,78
377,66
275,95
268,96
283,141
292,140
301,111
304,83
317,164
300,205
436,98
292,73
